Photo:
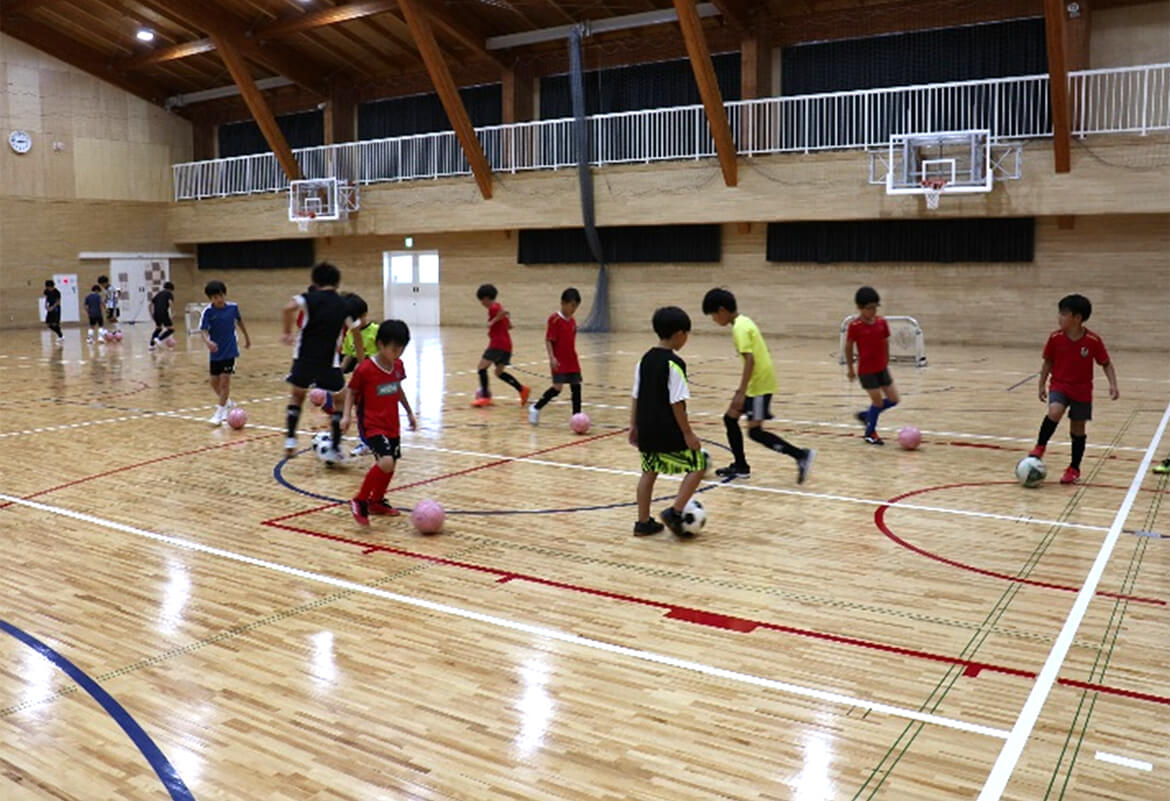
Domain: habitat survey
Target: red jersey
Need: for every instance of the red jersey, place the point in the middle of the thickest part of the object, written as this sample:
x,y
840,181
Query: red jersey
x,y
872,354
1072,363
498,336
562,333
376,392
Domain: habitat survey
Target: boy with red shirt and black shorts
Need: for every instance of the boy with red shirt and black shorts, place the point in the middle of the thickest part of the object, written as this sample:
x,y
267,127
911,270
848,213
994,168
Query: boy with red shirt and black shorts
x,y
560,339
375,389
1069,355
871,334
499,349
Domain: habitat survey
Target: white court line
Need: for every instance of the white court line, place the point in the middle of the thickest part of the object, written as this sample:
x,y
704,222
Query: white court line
x,y
1125,762
527,628
1009,755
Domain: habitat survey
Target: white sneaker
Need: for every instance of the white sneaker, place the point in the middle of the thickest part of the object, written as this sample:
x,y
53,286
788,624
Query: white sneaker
x,y
227,407
217,418
59,341
290,446
361,449
534,415
152,346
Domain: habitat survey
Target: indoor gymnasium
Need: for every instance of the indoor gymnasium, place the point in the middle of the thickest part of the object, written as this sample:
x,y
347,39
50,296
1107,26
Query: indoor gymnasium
x,y
585,400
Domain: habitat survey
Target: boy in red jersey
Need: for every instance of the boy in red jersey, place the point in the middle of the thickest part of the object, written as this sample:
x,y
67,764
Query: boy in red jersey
x,y
1069,355
375,389
499,349
560,340
871,334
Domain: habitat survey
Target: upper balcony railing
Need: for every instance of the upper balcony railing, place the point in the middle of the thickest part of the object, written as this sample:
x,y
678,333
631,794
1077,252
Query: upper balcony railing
x,y
1124,100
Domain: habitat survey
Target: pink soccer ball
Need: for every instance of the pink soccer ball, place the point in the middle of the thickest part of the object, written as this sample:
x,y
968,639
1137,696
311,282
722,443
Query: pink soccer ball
x,y
109,337
317,396
579,423
117,336
169,342
237,418
909,437
428,517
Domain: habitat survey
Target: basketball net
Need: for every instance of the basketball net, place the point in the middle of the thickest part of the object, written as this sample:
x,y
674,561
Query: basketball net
x,y
933,189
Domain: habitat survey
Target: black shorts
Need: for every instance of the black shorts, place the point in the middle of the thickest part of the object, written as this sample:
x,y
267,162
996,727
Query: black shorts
x,y
326,377
875,380
383,446
163,321
53,317
497,356
1077,410
95,320
566,378
758,407
112,314
223,366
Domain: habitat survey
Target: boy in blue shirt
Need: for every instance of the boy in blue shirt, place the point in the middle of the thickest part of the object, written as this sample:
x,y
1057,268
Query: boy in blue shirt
x,y
217,326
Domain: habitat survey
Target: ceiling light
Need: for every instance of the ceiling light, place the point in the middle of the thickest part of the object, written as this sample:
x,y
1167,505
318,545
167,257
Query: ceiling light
x,y
145,35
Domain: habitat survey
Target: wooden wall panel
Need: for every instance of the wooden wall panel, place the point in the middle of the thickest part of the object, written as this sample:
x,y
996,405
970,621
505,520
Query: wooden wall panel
x,y
1129,35
111,170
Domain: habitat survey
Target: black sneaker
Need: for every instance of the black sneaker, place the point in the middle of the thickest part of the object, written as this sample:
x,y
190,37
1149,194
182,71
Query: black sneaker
x,y
804,465
644,528
734,470
874,439
862,417
673,521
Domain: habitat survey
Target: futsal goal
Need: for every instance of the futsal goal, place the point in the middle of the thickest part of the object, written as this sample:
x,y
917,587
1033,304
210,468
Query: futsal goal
x,y
907,343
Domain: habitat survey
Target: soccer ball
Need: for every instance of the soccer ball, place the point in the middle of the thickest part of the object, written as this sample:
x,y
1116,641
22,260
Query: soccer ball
x,y
694,517
1030,471
323,447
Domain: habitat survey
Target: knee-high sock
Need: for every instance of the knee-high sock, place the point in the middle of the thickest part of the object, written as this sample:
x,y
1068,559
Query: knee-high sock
x,y
154,336
734,439
888,404
374,485
575,392
483,384
335,428
167,334
548,395
773,442
1078,450
871,417
56,329
327,406
511,381
292,415
1047,428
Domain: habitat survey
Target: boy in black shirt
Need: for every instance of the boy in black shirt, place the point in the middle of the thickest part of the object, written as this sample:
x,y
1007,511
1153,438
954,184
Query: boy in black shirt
x,y
658,423
53,310
160,310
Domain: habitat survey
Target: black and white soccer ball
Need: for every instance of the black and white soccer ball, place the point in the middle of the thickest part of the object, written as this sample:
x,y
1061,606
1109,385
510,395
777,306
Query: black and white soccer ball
x,y
323,447
694,517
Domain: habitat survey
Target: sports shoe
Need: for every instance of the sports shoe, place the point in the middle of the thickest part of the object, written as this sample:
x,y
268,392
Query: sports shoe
x,y
734,470
332,456
644,528
290,446
1038,451
1071,475
524,393
217,418
673,521
804,465
360,511
231,404
1164,467
534,415
383,507
874,439
480,402
361,449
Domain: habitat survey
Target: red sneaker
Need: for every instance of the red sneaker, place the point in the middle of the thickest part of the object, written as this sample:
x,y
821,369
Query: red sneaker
x,y
360,511
1071,476
383,508
482,402
524,393
1038,451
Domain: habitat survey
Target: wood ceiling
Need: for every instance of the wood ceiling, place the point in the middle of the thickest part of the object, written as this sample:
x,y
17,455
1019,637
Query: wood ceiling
x,y
365,48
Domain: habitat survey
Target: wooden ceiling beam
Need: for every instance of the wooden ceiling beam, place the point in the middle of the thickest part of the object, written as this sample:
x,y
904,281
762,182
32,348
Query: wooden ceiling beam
x,y
164,54
260,112
461,33
692,30
84,58
292,25
1058,84
428,48
735,12
10,8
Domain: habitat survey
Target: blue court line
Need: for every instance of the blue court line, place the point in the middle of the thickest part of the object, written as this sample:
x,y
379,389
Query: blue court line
x,y
154,755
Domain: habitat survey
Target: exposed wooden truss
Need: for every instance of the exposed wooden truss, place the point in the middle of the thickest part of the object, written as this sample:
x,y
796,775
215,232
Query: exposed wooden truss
x,y
692,30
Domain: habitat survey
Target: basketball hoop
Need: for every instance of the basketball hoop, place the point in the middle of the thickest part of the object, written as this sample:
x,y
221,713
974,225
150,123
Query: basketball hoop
x,y
933,189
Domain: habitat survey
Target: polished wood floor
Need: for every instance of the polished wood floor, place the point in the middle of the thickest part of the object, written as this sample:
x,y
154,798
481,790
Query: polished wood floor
x,y
871,634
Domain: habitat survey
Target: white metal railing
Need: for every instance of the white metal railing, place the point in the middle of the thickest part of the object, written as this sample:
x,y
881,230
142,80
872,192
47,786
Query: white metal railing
x,y
1123,100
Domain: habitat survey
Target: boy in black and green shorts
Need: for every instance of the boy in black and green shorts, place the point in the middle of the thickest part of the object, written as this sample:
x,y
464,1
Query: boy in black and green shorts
x,y
658,423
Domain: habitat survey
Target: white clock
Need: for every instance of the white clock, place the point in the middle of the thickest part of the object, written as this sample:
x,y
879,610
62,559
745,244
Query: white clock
x,y
20,141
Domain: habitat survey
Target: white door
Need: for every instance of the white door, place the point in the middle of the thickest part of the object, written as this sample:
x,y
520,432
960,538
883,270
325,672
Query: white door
x,y
410,286
138,280
66,284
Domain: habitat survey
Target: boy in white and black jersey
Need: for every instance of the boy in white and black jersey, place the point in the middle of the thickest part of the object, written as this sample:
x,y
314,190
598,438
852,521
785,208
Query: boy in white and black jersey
x,y
316,361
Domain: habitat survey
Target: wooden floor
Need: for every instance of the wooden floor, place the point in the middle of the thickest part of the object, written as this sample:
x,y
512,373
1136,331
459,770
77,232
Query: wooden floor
x,y
871,634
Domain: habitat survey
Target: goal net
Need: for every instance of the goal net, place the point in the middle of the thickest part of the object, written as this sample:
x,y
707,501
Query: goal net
x,y
907,343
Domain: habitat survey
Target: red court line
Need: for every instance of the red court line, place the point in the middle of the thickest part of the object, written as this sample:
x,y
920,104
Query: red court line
x,y
879,518
457,473
136,465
